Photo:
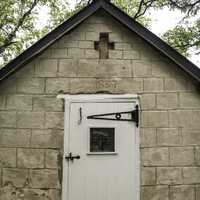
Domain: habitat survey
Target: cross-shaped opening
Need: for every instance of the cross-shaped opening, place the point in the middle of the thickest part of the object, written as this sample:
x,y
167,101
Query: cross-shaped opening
x,y
103,45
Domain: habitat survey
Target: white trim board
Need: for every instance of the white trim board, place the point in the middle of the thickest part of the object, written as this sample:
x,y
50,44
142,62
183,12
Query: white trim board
x,y
94,98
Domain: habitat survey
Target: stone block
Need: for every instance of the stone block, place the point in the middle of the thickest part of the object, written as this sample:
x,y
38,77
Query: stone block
x,y
155,156
16,177
123,46
197,156
57,85
184,118
154,119
19,102
67,68
132,55
2,102
75,35
108,85
54,120
191,136
67,43
169,176
114,68
60,53
183,192
8,86
30,119
81,85
86,44
169,137
191,175
45,103
52,159
26,71
7,119
181,156
116,36
7,157
147,137
155,193
115,54
15,137
153,85
92,36
55,194
91,53
147,101
46,68
167,100
87,68
148,176
142,69
189,100
178,84
129,85
30,86
47,139
45,53
30,158
44,179
76,53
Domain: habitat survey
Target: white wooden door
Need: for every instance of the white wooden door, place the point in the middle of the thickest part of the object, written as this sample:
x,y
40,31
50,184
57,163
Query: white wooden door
x,y
108,150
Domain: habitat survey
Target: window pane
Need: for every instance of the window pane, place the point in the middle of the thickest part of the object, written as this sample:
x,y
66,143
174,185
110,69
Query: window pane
x,y
102,139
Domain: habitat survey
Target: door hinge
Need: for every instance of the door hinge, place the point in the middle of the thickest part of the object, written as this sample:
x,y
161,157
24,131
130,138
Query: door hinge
x,y
134,116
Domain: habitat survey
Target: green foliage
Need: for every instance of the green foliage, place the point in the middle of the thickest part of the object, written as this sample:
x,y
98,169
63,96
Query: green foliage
x,y
184,38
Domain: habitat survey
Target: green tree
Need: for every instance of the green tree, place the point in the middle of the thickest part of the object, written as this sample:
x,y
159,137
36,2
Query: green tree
x,y
18,29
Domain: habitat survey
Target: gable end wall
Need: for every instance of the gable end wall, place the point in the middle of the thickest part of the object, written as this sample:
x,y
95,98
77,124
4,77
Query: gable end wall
x,y
31,118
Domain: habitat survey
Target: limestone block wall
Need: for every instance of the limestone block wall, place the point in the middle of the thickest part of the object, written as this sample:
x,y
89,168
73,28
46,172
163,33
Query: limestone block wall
x,y
31,118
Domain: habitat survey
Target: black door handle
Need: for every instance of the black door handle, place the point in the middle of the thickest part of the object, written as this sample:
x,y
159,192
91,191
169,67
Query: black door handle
x,y
70,157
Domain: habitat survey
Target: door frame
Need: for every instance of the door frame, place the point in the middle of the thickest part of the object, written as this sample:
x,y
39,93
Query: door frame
x,y
98,98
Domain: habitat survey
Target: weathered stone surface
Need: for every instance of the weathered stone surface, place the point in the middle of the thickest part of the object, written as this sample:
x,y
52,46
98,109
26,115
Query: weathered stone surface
x,y
191,175
115,54
60,53
7,157
91,53
134,55
15,138
79,85
15,177
180,156
197,156
130,85
154,119
167,101
27,71
44,179
86,44
57,85
184,192
67,68
52,159
155,156
8,86
30,85
153,85
178,84
30,158
155,193
184,118
189,100
7,119
46,68
147,101
76,53
19,102
2,102
147,137
92,36
142,69
191,136
30,119
45,103
148,176
169,137
47,139
169,176
54,120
